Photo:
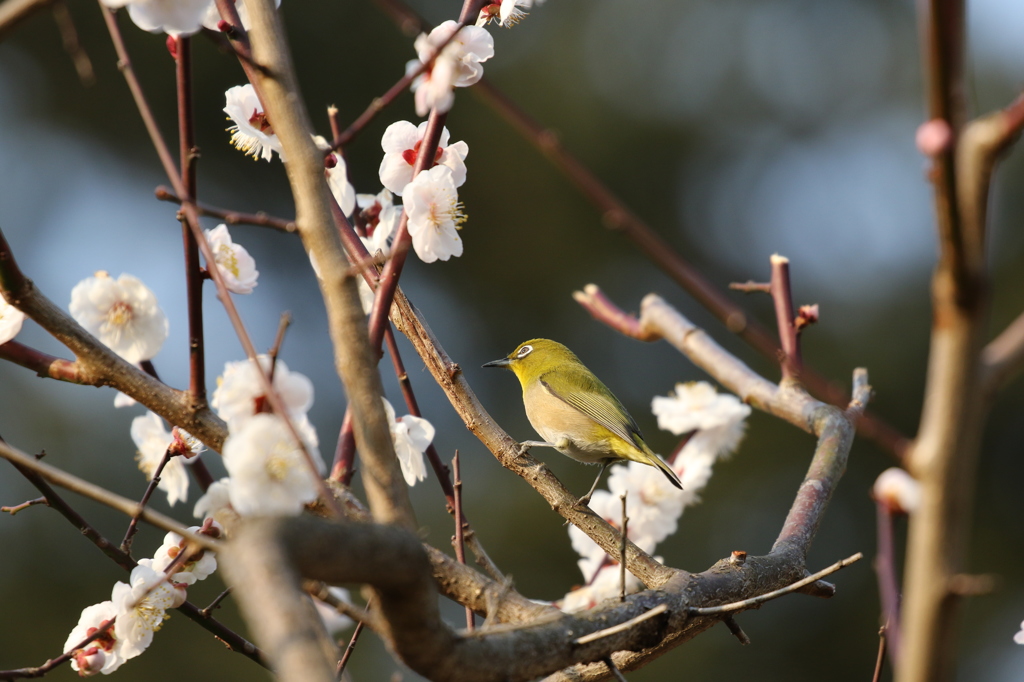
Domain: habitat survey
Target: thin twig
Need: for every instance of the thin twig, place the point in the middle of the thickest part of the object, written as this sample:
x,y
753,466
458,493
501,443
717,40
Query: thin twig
x,y
205,613
785,318
616,673
736,630
126,544
72,45
259,219
351,645
880,659
621,627
24,505
188,155
774,594
888,585
750,287
457,541
40,671
282,327
622,550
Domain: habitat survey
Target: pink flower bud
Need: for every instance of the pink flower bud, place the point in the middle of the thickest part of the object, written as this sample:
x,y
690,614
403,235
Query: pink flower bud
x,y
934,137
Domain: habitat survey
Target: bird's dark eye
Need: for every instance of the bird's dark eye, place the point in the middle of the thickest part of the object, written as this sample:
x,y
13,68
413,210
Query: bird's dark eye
x,y
524,351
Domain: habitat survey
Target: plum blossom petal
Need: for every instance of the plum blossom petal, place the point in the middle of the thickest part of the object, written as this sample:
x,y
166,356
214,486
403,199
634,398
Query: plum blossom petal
x,y
269,474
506,12
411,436
122,313
434,215
152,441
216,498
401,144
251,131
173,17
337,179
236,266
11,320
334,622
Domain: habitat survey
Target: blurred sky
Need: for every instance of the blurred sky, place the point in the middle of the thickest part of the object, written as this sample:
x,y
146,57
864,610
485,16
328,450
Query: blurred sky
x,y
737,128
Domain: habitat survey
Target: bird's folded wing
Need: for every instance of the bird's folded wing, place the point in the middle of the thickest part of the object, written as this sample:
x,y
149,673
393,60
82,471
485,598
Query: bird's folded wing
x,y
588,395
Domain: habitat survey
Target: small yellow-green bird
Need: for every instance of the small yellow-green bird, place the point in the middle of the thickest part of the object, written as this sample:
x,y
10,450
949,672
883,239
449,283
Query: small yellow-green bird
x,y
574,412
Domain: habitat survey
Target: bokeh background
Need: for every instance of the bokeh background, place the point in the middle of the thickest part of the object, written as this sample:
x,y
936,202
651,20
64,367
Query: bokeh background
x,y
737,128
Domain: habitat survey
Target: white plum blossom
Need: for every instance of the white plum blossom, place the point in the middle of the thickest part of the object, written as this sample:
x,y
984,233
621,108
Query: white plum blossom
x,y
334,622
269,474
152,441
434,215
897,490
505,12
123,400
236,266
411,436
142,607
337,179
401,144
718,417
654,505
168,16
251,132
102,655
11,320
459,65
1019,637
211,19
199,567
122,313
216,498
240,395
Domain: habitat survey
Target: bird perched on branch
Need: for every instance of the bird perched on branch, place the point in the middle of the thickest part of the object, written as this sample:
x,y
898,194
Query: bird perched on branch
x,y
574,412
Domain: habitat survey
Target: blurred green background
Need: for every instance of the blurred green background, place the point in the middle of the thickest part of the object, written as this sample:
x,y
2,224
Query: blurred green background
x,y
737,128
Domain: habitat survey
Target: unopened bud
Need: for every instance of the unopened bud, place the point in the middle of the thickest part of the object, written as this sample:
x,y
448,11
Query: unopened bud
x,y
897,490
172,46
934,137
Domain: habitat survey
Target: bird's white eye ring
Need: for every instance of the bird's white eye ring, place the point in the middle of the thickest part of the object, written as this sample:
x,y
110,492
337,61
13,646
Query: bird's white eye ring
x,y
524,351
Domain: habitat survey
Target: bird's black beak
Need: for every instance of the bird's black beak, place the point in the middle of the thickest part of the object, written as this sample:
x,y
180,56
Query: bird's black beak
x,y
504,362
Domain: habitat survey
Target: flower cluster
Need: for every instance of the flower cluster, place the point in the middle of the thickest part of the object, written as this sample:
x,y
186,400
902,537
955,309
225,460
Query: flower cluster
x,y
654,505
411,436
138,607
268,470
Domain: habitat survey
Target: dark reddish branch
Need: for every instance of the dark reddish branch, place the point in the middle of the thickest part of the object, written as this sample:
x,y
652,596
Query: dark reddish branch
x,y
133,525
42,364
238,40
602,308
343,468
231,217
888,585
402,243
193,270
785,317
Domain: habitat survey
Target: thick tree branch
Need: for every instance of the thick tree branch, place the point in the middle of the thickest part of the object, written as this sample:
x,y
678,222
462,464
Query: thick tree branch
x,y
96,365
